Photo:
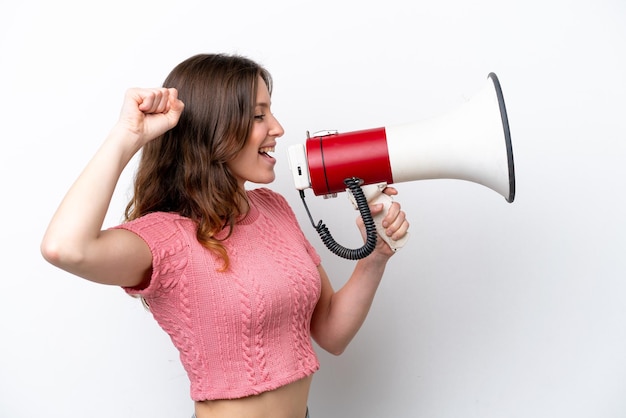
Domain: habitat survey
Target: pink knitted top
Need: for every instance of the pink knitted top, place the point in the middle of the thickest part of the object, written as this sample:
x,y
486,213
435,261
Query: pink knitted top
x,y
247,330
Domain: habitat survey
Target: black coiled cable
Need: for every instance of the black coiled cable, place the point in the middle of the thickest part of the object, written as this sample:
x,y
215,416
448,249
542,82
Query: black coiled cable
x,y
354,184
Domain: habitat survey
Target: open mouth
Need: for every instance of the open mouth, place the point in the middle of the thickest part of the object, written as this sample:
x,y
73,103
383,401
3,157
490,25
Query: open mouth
x,y
266,150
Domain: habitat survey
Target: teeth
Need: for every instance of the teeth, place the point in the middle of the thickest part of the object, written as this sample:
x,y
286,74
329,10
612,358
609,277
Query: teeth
x,y
266,149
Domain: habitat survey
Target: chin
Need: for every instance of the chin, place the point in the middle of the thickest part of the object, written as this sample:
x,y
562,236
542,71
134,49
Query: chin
x,y
266,180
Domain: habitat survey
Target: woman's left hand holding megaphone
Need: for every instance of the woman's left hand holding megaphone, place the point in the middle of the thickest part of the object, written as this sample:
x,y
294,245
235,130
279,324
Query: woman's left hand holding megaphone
x,y
390,219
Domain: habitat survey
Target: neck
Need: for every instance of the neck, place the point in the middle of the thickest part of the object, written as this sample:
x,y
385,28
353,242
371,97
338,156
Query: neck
x,y
242,202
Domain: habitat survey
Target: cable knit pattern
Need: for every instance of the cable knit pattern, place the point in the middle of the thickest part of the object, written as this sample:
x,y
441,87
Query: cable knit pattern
x,y
247,330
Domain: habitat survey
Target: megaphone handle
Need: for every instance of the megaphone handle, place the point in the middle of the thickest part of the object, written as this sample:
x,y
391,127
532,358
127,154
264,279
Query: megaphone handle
x,y
374,195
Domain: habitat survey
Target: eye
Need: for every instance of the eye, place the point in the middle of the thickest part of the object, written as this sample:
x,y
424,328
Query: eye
x,y
259,117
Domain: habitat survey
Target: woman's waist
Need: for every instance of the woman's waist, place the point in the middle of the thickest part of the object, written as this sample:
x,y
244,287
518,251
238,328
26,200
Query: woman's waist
x,y
288,401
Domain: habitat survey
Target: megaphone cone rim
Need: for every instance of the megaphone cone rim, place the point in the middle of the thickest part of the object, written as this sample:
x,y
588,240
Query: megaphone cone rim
x,y
507,137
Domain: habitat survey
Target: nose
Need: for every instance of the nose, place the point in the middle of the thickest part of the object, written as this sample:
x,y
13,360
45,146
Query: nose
x,y
276,128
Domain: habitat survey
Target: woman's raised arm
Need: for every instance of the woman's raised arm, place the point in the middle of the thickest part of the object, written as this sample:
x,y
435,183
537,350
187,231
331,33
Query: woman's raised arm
x,y
74,240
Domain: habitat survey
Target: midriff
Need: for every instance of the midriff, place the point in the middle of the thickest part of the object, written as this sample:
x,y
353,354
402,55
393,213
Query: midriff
x,y
289,401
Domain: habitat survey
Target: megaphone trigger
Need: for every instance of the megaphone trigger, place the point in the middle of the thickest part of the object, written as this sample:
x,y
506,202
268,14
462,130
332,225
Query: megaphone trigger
x,y
374,195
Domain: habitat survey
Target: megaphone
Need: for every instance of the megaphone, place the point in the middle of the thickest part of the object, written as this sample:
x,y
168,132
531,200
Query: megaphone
x,y
471,143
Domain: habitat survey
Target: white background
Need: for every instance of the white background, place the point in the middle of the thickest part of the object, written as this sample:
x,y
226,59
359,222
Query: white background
x,y
492,309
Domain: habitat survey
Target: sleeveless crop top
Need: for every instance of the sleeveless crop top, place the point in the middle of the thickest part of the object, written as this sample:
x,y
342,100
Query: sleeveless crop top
x,y
244,331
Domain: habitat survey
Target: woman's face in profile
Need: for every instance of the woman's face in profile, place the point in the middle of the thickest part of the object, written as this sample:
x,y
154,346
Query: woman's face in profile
x,y
254,162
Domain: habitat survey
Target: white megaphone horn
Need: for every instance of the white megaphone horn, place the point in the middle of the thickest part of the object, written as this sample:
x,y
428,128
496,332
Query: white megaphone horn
x,y
472,143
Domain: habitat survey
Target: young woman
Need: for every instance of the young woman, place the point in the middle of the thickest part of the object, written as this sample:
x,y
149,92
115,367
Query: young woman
x,y
226,272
